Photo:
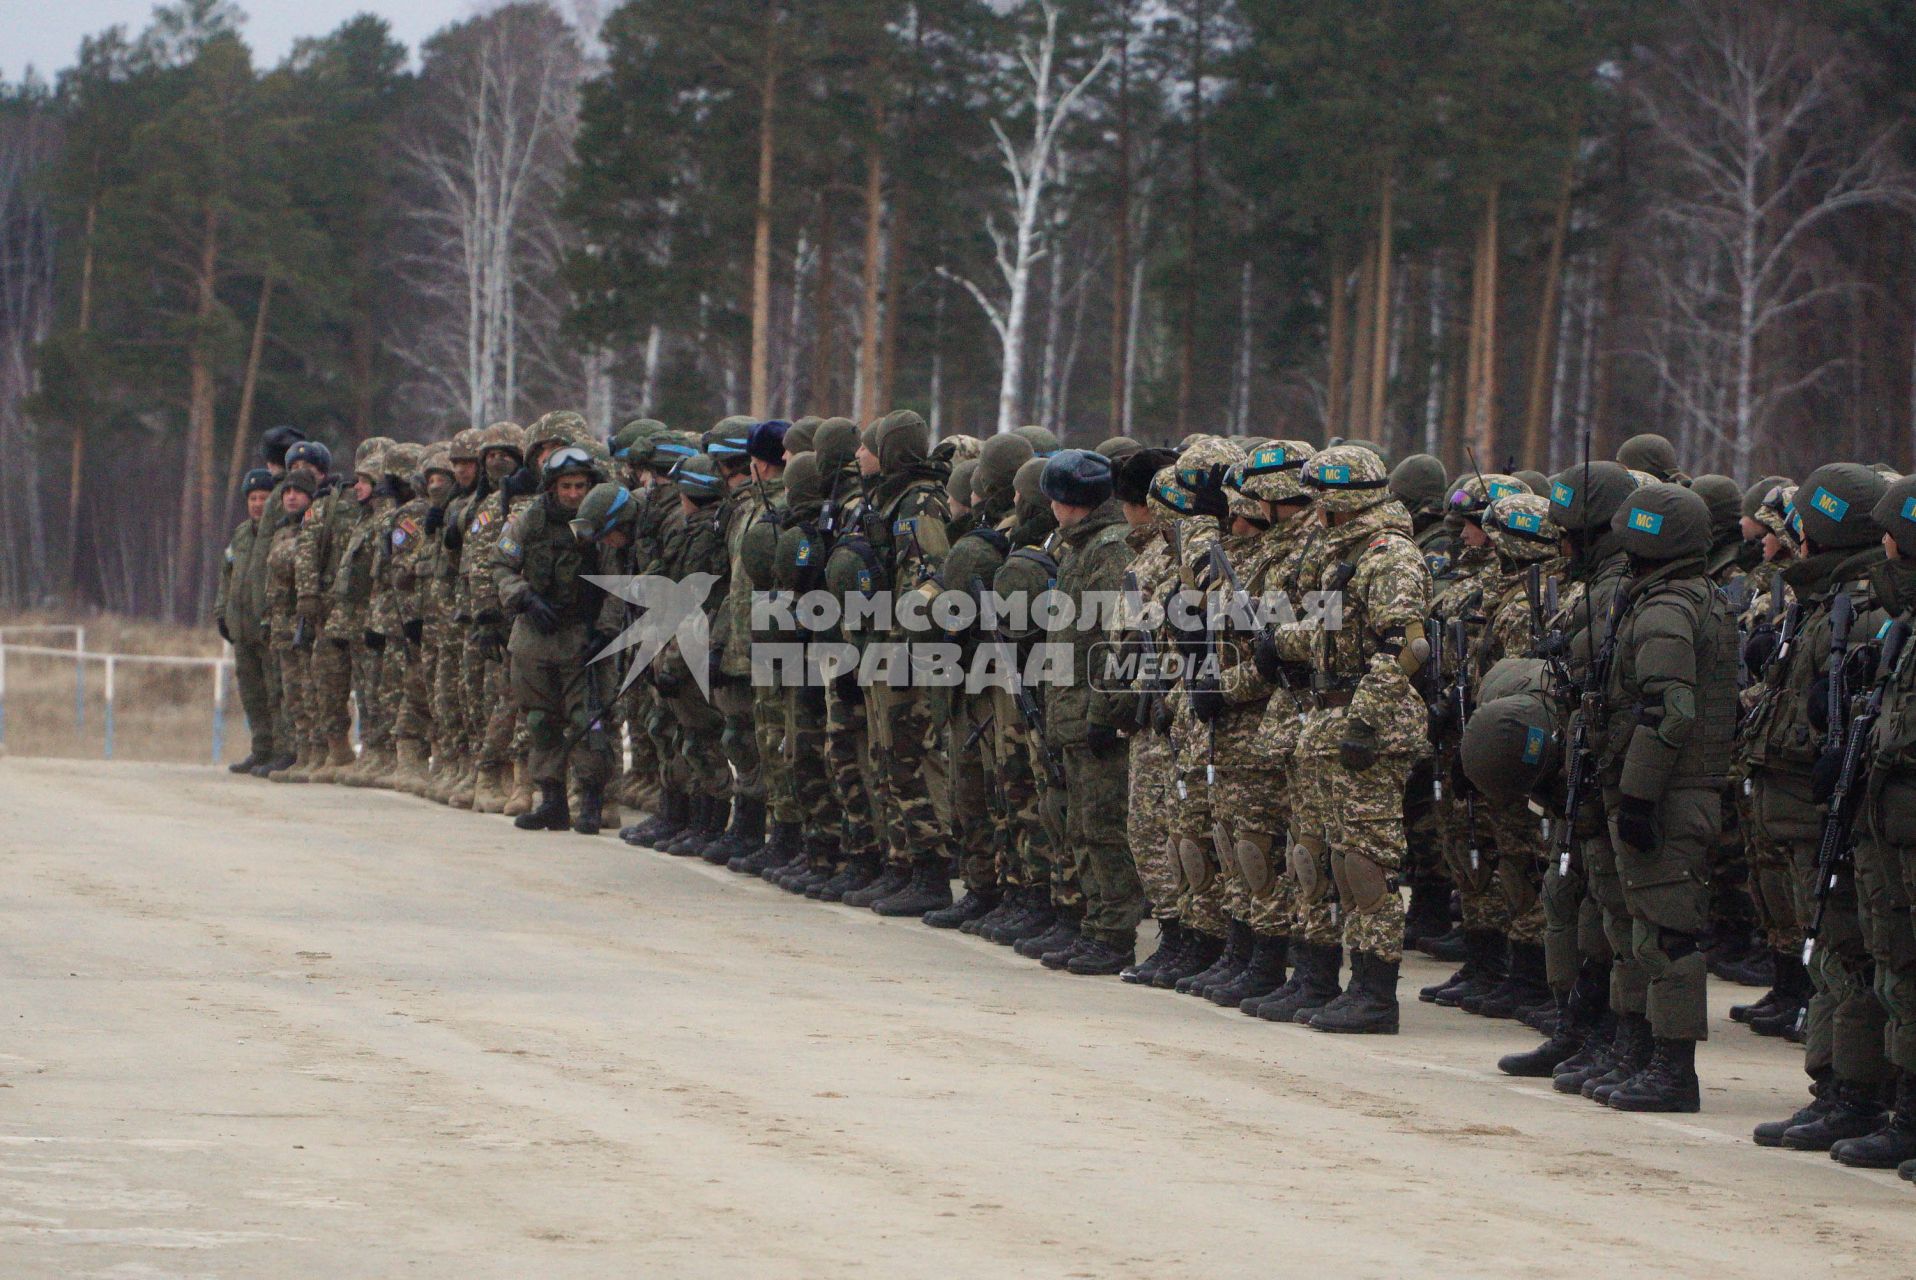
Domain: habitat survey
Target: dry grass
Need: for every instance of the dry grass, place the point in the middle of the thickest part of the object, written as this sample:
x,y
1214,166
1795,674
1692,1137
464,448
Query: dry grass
x,y
160,712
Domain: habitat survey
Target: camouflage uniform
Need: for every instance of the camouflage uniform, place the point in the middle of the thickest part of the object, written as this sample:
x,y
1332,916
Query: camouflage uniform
x,y
323,538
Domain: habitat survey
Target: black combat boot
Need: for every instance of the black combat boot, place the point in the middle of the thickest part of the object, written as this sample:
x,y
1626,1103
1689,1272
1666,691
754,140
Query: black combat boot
x,y
663,825
1067,948
820,860
1630,1053
1262,974
704,821
1428,915
1855,1111
244,766
792,864
1891,1144
744,837
1236,954
1057,936
895,877
1317,969
1546,1059
1008,901
1447,947
1368,1005
1595,1058
1038,920
1793,990
1171,936
1667,1082
1822,1100
1767,1003
1201,954
1096,958
1294,953
1483,969
550,814
779,843
1523,985
858,871
278,764
591,809
972,906
929,889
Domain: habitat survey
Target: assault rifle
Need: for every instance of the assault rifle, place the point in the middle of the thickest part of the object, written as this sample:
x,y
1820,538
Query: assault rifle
x,y
1592,696
1028,709
1153,693
1834,851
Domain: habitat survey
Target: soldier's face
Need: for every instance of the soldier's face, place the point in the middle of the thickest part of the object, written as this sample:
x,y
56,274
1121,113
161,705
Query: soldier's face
x,y
296,501
1242,528
1474,535
1136,514
465,473
362,489
571,491
256,503
1773,548
618,540
438,486
1752,531
867,462
499,464
1890,548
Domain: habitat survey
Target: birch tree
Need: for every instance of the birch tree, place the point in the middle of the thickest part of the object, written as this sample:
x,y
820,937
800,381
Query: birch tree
x,y
1054,99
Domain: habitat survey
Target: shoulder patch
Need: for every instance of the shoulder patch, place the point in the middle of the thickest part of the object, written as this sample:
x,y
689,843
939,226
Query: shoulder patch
x,y
509,546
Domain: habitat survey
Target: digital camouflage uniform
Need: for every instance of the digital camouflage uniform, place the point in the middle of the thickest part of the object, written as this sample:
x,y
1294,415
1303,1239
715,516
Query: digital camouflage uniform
x,y
323,538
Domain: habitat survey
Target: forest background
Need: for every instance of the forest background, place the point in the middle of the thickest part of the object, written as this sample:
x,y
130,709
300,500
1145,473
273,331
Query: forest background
x,y
1476,228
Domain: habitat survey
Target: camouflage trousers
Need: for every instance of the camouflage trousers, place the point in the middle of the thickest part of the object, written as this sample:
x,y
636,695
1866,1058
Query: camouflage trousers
x,y
452,727
738,738
375,731
501,713
701,743
976,818
848,757
256,671
411,703
1028,832
906,768
642,769
1520,859
1099,846
296,697
806,745
661,729
558,701
1347,836
332,682
1148,816
768,730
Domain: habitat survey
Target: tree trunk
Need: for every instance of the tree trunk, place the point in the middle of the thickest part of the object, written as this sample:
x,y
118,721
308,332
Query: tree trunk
x,y
1121,238
196,495
1480,414
1339,356
1542,354
762,233
76,465
894,268
1187,334
869,375
1380,324
1241,382
243,424
1434,388
1357,414
824,314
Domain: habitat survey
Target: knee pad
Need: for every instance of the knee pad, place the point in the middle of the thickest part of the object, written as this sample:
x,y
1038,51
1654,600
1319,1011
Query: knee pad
x,y
1252,853
1197,868
542,729
1307,862
1362,885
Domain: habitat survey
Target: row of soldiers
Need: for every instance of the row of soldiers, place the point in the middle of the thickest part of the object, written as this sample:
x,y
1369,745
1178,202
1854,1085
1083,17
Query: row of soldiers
x,y
1592,722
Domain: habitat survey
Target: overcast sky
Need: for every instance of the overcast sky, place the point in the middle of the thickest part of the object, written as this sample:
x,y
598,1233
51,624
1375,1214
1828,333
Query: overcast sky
x,y
46,33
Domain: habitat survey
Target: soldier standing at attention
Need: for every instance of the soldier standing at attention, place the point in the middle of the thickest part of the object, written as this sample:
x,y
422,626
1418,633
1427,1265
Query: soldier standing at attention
x,y
237,611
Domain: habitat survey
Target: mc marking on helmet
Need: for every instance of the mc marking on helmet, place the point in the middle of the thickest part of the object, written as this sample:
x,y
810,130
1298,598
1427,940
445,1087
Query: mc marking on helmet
x,y
1273,456
1176,498
1909,508
1533,742
1562,494
804,551
1829,504
1498,489
1334,475
1528,521
1645,521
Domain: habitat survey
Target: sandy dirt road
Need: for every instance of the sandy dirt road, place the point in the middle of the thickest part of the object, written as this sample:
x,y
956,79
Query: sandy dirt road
x,y
366,1036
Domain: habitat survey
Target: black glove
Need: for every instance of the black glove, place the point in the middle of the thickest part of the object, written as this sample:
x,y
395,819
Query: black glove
x,y
1207,700
435,519
1103,739
1442,718
1823,776
666,682
1265,657
489,618
415,631
375,640
540,614
1636,823
454,538
1209,492
492,643
1163,715
1758,648
224,633
1358,750
595,643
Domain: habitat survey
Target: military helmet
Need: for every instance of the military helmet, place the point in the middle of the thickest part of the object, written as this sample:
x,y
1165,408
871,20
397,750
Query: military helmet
x,y
465,445
803,483
1420,483
402,460
604,508
758,551
1754,495
437,457
799,438
1650,453
555,430
1536,481
257,480
1520,528
368,459
902,440
1895,514
697,478
1348,477
1274,472
1834,505
1042,442
1724,497
836,444
998,463
1205,455
1508,677
627,441
959,448
958,488
509,436
1024,484
1361,443
1663,522
1118,447
313,453
1473,493
1585,503
1886,471
1510,747
666,450
567,460
729,439
1777,515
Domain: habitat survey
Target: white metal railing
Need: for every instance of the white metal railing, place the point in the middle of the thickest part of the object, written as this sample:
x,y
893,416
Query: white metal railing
x,y
79,655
